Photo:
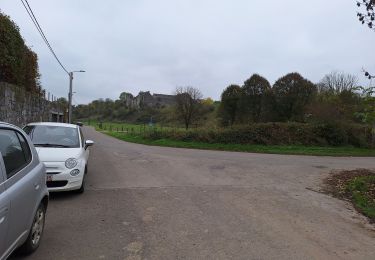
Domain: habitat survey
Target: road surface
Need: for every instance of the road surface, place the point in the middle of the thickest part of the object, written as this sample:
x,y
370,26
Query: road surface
x,y
147,202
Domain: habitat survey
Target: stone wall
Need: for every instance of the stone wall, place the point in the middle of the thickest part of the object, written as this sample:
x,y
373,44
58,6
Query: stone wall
x,y
19,107
145,99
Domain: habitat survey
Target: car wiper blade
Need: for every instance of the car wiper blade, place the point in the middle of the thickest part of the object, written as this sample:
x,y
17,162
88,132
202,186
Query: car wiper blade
x,y
52,145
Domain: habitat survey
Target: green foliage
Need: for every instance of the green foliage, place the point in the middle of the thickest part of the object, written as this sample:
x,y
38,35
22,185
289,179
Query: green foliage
x,y
254,98
256,101
229,107
362,191
18,64
367,115
119,110
292,95
272,149
274,134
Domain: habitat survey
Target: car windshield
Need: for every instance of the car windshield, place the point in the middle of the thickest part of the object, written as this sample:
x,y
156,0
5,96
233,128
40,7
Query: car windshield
x,y
53,136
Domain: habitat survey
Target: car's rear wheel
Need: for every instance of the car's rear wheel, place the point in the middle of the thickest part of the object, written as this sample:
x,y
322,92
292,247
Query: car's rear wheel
x,y
36,231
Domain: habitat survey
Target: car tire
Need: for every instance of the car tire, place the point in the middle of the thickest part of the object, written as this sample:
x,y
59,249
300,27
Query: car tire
x,y
36,231
82,188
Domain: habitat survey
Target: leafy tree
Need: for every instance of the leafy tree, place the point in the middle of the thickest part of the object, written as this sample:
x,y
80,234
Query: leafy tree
x,y
18,64
187,104
292,94
62,103
367,16
253,96
367,115
207,101
229,107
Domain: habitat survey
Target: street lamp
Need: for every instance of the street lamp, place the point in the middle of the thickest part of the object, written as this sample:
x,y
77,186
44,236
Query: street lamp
x,y
71,94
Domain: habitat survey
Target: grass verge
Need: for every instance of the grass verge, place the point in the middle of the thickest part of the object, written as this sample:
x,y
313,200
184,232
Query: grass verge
x,y
357,186
270,149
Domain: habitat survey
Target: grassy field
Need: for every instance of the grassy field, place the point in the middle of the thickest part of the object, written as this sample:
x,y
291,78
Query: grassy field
x,y
274,149
134,133
126,127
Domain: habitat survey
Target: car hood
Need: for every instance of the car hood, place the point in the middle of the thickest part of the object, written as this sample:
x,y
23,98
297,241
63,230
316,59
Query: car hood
x,y
51,154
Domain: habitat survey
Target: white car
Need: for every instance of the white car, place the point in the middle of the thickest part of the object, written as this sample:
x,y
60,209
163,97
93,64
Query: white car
x,y
64,151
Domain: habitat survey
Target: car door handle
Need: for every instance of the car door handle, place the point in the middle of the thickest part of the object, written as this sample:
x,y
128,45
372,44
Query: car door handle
x,y
2,220
36,186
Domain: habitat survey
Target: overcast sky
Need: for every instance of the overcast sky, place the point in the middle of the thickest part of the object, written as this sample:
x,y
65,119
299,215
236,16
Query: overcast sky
x,y
156,45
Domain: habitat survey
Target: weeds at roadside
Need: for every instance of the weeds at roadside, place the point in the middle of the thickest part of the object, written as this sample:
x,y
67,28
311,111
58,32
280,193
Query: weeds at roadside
x,y
356,186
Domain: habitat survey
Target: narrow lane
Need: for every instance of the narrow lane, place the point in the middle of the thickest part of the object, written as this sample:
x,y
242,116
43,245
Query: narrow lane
x,y
147,202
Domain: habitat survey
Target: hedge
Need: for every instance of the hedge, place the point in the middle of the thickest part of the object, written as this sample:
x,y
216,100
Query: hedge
x,y
275,134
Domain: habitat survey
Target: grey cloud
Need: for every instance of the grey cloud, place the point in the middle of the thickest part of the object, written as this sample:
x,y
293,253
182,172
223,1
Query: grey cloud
x,y
158,45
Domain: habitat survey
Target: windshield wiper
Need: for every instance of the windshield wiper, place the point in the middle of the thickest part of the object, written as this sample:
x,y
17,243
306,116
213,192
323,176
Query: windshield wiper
x,y
52,145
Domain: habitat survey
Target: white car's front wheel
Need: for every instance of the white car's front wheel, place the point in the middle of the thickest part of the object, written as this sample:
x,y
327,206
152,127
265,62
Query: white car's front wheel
x,y
82,188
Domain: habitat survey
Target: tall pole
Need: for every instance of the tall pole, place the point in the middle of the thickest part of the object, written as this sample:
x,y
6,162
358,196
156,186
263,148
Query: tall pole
x,y
70,96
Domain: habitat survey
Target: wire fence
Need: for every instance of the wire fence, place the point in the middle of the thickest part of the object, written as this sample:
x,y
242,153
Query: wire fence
x,y
136,129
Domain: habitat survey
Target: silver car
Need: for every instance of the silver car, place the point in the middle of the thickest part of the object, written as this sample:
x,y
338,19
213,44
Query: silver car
x,y
23,192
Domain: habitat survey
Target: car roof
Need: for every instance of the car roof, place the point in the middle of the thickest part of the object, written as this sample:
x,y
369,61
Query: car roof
x,y
8,125
54,124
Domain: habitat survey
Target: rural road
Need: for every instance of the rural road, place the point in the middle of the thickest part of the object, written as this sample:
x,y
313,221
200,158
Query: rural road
x,y
164,203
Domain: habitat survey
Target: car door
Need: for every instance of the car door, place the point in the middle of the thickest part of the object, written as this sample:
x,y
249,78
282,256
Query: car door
x,y
21,185
4,209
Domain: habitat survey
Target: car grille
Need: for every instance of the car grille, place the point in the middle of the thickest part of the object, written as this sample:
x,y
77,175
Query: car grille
x,y
56,184
53,172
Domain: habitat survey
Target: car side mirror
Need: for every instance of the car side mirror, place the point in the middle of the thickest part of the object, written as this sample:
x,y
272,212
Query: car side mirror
x,y
88,143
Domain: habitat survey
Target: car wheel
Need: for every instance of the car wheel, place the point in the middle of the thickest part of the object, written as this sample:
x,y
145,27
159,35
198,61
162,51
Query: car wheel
x,y
82,188
36,231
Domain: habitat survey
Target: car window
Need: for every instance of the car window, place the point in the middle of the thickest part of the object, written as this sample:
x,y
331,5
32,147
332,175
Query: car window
x,y
25,147
53,136
12,152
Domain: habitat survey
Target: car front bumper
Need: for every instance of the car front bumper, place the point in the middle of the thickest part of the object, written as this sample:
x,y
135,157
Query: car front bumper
x,y
59,178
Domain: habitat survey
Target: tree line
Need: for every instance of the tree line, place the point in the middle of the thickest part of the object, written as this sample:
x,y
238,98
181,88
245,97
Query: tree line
x,y
337,97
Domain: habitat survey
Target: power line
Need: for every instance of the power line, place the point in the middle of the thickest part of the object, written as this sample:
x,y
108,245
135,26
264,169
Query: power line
x,y
39,28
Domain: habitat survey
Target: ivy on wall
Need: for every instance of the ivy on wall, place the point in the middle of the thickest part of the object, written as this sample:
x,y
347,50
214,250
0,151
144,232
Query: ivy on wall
x,y
18,63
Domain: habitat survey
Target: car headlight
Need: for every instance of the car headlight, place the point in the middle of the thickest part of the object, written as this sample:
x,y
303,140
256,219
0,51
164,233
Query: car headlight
x,y
71,163
74,172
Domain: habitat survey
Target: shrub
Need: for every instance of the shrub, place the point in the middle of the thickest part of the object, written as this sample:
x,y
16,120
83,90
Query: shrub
x,y
329,134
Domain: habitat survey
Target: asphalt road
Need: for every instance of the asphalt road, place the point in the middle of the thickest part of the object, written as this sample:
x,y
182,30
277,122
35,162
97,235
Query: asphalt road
x,y
163,203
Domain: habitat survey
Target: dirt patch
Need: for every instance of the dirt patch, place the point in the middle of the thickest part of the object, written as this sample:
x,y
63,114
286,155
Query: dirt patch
x,y
356,186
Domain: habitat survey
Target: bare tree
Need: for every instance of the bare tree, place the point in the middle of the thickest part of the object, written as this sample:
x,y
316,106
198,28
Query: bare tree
x,y
187,103
337,82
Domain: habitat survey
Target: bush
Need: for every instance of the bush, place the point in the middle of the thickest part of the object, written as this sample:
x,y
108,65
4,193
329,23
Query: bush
x,y
329,134
18,63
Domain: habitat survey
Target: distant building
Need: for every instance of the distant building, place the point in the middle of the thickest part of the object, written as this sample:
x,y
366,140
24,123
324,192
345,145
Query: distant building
x,y
145,99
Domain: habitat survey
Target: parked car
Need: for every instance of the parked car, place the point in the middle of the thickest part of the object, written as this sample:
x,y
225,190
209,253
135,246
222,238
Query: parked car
x,y
23,192
64,151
